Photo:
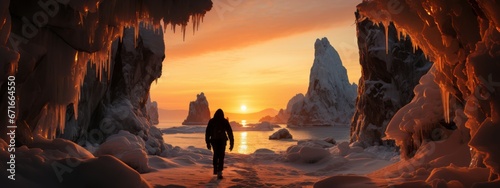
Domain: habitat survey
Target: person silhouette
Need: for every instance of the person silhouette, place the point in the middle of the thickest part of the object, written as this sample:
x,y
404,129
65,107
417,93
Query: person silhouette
x,y
216,135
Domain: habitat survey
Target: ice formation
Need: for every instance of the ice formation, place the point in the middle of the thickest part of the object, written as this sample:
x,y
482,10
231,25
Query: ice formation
x,y
461,38
49,54
387,79
330,97
199,112
83,71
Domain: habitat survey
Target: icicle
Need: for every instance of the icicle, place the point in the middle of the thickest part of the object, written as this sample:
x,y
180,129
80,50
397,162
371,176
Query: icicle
x,y
386,26
445,97
136,35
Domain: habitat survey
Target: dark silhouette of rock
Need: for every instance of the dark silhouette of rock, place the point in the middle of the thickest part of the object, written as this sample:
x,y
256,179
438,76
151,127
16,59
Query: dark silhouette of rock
x,y
281,134
199,113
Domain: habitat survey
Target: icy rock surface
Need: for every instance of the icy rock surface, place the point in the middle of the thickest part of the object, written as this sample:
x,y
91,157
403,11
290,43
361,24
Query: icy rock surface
x,y
330,97
387,79
281,134
199,112
461,38
75,83
106,107
50,57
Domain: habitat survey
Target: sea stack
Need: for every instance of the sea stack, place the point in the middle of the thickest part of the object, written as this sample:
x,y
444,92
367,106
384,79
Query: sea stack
x,y
199,113
330,97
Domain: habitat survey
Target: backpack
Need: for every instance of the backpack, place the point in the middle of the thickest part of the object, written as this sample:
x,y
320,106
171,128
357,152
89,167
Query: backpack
x,y
218,131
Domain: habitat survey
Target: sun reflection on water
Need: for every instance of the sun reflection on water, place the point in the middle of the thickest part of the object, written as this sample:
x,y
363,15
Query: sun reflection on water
x,y
243,147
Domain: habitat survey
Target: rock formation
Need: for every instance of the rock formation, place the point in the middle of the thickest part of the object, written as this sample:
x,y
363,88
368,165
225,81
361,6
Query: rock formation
x,y
105,108
330,97
387,80
199,113
281,134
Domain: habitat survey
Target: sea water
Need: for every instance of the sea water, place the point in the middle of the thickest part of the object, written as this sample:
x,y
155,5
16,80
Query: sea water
x,y
246,142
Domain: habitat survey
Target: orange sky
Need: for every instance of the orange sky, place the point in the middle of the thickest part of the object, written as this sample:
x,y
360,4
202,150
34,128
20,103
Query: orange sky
x,y
254,53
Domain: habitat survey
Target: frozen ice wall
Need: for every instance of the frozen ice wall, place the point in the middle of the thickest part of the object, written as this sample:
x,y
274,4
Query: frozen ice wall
x,y
461,37
120,102
53,43
387,79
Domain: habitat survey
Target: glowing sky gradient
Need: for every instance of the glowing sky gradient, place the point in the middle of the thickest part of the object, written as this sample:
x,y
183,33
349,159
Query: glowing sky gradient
x,y
254,53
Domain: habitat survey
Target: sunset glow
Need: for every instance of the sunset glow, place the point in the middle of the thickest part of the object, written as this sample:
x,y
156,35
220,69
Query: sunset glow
x,y
259,54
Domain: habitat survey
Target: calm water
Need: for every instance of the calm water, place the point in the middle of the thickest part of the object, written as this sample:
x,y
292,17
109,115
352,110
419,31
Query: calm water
x,y
248,141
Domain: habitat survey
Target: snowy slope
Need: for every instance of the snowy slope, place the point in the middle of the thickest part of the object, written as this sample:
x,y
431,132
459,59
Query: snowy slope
x,y
387,79
330,97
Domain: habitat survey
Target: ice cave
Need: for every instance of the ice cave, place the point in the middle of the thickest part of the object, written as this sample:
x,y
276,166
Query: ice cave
x,y
76,77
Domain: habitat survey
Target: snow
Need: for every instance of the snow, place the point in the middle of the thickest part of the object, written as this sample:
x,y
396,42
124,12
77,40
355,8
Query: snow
x,y
330,97
302,165
62,163
127,147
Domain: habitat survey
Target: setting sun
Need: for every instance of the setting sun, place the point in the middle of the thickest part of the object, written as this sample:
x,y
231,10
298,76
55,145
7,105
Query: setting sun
x,y
243,108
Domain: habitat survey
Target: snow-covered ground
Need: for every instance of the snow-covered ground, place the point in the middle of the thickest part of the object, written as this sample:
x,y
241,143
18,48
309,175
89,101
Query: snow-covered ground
x,y
301,166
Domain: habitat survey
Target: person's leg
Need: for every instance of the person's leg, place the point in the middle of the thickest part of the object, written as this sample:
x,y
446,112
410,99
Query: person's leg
x,y
222,154
215,160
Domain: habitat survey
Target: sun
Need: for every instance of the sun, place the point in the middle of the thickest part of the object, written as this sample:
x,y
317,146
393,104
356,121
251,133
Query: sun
x,y
243,108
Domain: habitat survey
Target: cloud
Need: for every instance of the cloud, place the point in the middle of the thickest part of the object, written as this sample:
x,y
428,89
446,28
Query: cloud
x,y
233,24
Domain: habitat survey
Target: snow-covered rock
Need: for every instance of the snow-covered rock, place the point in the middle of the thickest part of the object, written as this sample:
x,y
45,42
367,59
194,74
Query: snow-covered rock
x,y
305,154
281,134
105,108
316,143
199,113
128,148
330,97
387,80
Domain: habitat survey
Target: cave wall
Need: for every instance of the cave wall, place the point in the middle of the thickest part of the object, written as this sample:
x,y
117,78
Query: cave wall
x,y
49,46
461,38
387,79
